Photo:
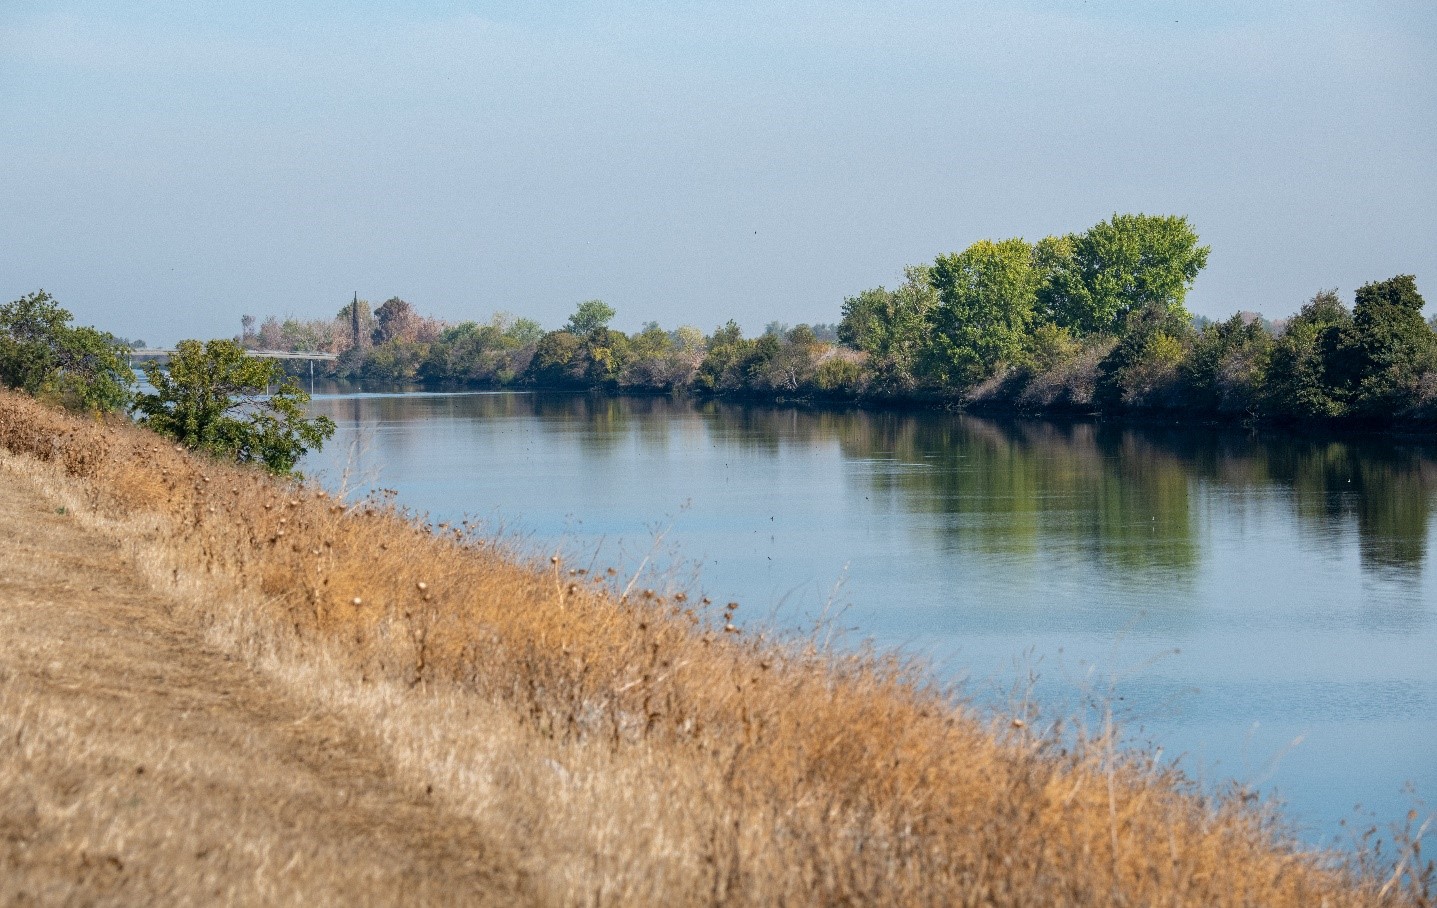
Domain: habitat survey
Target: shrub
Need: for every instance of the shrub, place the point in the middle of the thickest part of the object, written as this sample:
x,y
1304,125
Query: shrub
x,y
214,398
44,356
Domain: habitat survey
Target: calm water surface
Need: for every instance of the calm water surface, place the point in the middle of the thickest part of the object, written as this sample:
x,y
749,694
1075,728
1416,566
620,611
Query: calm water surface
x,y
1263,609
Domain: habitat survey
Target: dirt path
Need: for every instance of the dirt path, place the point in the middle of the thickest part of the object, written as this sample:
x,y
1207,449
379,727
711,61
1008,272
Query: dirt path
x,y
139,765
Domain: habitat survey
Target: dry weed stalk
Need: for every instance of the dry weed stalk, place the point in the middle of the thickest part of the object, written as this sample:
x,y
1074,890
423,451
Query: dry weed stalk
x,y
638,753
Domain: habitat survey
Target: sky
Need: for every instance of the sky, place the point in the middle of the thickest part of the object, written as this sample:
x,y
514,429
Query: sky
x,y
167,166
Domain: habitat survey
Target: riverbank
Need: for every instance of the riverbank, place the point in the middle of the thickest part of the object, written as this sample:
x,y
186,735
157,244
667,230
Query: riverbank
x,y
147,763
630,748
988,402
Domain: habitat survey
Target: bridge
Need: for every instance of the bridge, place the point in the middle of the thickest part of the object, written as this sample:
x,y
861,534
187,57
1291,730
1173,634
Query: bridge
x,y
156,353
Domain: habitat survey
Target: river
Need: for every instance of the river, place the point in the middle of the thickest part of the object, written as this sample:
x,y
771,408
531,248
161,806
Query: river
x,y
1261,608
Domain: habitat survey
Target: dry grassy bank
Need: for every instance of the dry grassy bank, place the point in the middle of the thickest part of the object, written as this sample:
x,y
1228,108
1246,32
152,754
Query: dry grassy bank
x,y
631,751
142,765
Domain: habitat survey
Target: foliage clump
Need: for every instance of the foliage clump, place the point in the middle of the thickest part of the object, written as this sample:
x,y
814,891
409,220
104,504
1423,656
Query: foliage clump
x,y
45,356
213,398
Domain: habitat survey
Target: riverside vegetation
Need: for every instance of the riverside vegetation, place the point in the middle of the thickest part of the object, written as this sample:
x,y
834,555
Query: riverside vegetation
x,y
630,746
1092,322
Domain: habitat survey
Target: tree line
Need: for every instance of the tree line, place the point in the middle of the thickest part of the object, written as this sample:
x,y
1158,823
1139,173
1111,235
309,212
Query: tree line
x,y
1090,322
209,396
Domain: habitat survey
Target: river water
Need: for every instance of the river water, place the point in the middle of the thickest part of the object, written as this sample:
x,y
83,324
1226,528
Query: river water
x,y
1263,609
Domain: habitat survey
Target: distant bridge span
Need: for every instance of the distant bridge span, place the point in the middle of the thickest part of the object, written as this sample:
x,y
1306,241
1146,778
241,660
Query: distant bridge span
x,y
156,353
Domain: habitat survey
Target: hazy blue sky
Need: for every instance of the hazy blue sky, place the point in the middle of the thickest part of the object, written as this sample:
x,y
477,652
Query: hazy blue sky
x,y
165,166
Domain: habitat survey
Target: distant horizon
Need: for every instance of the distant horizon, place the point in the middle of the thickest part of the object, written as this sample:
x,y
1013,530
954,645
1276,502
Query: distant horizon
x,y
170,167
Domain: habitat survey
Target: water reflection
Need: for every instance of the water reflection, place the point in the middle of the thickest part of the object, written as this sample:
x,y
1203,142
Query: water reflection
x,y
1291,572
1123,496
1110,498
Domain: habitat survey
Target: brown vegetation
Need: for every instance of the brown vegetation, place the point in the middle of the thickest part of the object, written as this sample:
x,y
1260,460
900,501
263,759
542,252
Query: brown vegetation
x,y
142,765
632,750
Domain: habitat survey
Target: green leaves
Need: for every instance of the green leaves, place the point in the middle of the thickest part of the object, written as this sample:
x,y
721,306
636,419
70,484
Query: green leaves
x,y
591,316
214,398
987,295
893,327
1388,346
1004,303
43,355
1120,266
1368,364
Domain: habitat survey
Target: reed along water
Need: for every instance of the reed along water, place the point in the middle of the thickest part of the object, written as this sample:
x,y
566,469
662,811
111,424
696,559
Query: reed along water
x,y
1262,607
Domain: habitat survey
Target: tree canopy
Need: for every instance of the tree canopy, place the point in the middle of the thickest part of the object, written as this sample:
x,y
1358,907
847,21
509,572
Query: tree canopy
x,y
1387,347
987,293
1122,265
214,398
590,317
42,354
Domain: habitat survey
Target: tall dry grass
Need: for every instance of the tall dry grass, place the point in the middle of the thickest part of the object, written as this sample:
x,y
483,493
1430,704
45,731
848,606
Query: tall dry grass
x,y
638,750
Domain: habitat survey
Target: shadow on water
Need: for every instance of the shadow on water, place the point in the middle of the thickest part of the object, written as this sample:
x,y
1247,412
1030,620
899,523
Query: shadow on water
x,y
1122,496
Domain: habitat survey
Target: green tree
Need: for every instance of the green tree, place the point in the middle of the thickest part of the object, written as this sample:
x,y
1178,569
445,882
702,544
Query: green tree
x,y
590,317
42,354
892,328
657,359
1302,380
559,359
652,343
783,363
213,398
867,320
494,353
1144,370
985,312
1387,347
1228,365
521,331
608,353
1120,266
721,369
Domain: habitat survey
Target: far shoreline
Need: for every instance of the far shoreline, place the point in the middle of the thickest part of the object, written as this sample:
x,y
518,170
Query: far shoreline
x,y
1345,428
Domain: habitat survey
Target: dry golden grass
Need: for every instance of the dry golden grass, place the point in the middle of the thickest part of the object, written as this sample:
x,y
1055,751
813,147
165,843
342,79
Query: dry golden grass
x,y
142,764
634,751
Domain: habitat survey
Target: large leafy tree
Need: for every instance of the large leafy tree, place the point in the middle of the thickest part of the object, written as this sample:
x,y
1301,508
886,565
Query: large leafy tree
x,y
396,320
1118,266
1387,348
1302,374
608,353
725,361
1228,363
590,316
214,398
42,354
560,358
892,327
985,312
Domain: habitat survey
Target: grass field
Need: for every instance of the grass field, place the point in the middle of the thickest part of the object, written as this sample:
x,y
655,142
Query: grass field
x,y
617,750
